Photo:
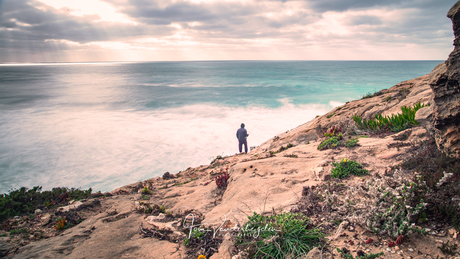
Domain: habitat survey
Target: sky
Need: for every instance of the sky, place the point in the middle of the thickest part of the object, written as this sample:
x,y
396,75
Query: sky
x,y
182,30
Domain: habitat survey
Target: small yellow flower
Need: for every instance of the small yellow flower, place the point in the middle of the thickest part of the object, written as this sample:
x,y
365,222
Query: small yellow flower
x,y
345,160
201,257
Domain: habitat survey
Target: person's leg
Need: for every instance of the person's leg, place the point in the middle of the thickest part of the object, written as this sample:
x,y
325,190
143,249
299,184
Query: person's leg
x,y
240,145
245,146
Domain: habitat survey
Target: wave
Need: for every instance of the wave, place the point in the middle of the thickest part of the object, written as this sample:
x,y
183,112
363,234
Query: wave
x,y
105,149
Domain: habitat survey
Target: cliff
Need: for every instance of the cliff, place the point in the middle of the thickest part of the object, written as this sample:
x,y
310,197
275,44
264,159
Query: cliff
x,y
445,85
288,173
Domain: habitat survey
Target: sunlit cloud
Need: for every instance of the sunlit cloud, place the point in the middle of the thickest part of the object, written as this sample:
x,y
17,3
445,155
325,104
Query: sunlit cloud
x,y
105,11
139,30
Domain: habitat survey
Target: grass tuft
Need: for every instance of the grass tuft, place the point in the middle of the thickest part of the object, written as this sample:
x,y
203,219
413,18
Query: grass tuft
x,y
286,235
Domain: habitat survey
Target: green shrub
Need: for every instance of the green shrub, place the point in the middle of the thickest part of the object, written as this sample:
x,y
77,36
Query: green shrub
x,y
349,256
432,166
19,231
351,142
216,159
146,191
281,149
329,143
370,95
285,235
395,122
347,167
397,219
449,249
196,233
333,131
26,201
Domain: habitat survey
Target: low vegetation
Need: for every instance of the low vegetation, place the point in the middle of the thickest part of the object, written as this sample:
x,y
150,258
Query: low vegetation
x,y
441,175
347,167
25,201
449,249
221,179
395,122
281,149
334,138
146,191
330,142
286,235
346,254
351,142
370,95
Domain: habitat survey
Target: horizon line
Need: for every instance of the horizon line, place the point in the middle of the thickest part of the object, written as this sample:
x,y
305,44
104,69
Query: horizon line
x,y
217,60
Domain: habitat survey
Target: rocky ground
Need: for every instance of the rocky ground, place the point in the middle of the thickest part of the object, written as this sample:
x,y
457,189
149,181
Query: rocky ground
x,y
284,174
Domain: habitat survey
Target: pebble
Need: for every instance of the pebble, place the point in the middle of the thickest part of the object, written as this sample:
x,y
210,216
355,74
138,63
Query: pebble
x,y
388,249
410,249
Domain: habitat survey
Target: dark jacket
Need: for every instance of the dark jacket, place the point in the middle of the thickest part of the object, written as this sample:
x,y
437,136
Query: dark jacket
x,y
241,134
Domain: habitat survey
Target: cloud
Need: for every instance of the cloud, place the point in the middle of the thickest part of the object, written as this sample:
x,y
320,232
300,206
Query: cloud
x,y
344,5
363,20
228,29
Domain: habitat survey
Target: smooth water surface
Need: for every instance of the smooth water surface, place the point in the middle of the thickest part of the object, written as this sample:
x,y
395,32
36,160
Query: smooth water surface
x,y
105,125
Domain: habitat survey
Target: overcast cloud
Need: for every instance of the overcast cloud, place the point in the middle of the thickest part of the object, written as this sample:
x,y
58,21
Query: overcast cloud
x,y
146,30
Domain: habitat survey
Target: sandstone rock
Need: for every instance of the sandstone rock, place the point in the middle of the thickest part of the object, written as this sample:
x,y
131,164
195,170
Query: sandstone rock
x,y
224,249
314,253
6,248
70,207
79,205
160,217
425,117
46,219
445,85
112,212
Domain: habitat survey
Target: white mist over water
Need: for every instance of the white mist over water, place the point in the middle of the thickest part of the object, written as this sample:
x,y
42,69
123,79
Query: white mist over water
x,y
105,149
105,125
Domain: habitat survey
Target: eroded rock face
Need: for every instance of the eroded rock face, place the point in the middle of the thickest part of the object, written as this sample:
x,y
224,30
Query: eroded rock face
x,y
446,90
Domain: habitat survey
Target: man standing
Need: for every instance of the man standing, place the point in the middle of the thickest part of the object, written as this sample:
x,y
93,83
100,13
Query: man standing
x,y
242,134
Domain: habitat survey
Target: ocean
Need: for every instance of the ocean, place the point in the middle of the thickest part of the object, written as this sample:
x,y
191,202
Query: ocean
x,y
105,125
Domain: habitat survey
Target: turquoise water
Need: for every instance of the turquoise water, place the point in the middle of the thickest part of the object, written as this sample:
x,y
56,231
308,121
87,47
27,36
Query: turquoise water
x,y
104,125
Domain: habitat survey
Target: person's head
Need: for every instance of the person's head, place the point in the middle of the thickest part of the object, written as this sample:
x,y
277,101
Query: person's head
x,y
242,125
